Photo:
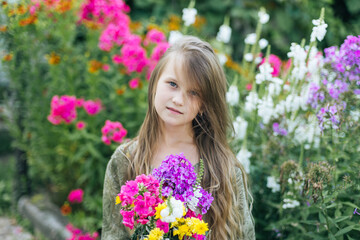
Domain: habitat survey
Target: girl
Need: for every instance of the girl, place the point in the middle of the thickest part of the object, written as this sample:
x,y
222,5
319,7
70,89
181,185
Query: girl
x,y
187,113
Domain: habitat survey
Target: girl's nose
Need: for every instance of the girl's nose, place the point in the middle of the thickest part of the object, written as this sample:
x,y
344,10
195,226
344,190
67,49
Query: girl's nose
x,y
178,99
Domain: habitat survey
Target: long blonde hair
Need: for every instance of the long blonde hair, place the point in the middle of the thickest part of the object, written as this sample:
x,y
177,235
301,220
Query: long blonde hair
x,y
202,68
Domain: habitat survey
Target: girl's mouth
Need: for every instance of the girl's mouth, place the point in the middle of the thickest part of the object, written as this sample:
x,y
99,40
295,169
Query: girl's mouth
x,y
174,110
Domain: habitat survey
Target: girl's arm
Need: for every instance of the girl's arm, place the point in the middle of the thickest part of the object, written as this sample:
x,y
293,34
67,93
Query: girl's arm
x,y
112,227
248,224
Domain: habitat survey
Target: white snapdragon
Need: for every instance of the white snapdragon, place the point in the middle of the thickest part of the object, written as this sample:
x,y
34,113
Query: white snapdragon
x,y
263,43
274,87
251,101
250,39
189,16
272,184
263,16
297,53
290,203
265,73
174,36
222,58
224,34
244,158
319,30
248,57
232,96
177,211
240,127
266,109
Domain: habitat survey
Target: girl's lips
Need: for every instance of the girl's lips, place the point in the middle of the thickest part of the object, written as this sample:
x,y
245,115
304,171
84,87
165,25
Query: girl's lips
x,y
174,110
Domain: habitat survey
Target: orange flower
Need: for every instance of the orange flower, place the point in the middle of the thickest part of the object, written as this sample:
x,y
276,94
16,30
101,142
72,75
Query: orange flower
x,y
53,59
21,10
8,57
199,22
153,26
94,66
3,28
64,6
135,26
91,24
121,91
174,22
28,21
66,209
4,3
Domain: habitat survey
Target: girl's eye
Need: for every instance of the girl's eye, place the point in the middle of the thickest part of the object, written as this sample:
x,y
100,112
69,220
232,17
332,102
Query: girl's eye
x,y
194,93
172,84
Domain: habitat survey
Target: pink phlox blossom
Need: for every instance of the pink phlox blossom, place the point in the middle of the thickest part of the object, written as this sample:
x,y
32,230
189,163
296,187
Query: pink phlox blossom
x,y
76,196
154,36
128,218
116,59
190,214
134,83
92,107
275,62
77,234
113,34
141,208
106,67
79,102
113,131
80,125
133,57
164,226
63,109
130,189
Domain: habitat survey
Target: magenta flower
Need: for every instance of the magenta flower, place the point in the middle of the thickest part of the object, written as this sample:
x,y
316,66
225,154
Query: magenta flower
x,y
154,36
275,63
134,83
162,225
113,131
76,196
128,218
92,107
80,125
63,109
133,57
77,234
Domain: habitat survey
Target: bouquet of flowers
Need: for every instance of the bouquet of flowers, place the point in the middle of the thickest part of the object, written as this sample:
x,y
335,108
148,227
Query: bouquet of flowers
x,y
169,204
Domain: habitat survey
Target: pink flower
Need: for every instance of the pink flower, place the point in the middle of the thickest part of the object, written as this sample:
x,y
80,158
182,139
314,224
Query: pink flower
x,y
92,107
130,189
154,36
116,59
63,109
76,196
162,225
114,33
133,57
128,218
249,86
106,67
140,206
80,125
134,83
142,221
275,63
79,102
113,131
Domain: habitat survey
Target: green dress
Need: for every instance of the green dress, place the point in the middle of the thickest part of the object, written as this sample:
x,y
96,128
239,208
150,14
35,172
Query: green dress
x,y
113,229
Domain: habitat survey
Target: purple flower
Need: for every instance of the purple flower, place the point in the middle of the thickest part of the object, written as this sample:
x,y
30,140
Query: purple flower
x,y
357,91
356,212
278,130
205,201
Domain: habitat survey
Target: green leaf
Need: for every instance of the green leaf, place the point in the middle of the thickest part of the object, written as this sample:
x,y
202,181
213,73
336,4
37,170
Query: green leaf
x,y
340,219
344,230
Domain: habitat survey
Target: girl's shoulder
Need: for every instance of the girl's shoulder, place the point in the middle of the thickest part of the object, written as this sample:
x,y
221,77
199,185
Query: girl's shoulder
x,y
123,153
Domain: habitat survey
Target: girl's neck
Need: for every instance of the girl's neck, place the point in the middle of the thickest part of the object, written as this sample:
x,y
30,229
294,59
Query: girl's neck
x,y
175,136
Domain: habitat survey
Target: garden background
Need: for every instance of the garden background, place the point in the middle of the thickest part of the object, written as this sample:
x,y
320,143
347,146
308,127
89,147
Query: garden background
x,y
73,85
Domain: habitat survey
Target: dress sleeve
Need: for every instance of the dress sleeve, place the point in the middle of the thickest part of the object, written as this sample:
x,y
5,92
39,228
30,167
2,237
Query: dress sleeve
x,y
113,228
248,224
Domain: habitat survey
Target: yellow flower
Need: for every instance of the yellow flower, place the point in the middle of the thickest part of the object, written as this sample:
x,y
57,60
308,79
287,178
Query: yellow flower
x,y
201,228
182,231
94,66
117,201
158,209
8,57
174,22
156,234
3,28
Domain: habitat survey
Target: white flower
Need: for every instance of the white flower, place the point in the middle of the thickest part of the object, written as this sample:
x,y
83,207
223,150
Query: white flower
x,y
272,183
355,115
319,30
240,126
177,211
224,34
263,43
265,73
298,53
222,58
258,60
263,17
232,96
243,157
274,87
192,204
189,16
174,36
289,203
266,109
250,39
251,101
248,57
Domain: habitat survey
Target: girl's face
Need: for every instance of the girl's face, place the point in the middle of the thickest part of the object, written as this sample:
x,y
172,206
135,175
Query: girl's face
x,y
176,101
